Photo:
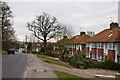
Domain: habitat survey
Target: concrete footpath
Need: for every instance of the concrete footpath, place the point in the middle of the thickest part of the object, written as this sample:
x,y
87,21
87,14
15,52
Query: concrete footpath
x,y
39,69
36,69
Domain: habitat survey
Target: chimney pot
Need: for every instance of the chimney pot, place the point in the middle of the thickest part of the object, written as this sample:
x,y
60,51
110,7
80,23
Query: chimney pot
x,y
64,36
113,25
82,33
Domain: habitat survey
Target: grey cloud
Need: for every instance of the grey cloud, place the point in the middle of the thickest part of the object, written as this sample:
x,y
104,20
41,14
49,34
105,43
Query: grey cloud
x,y
92,16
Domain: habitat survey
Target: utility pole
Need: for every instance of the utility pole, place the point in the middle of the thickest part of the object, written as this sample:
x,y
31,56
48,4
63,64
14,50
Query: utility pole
x,y
26,39
0,28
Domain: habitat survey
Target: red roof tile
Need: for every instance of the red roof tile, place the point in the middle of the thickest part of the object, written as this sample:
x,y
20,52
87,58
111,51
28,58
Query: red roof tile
x,y
62,41
79,39
107,35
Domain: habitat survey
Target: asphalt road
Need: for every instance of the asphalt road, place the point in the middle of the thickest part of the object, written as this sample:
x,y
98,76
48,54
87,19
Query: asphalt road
x,y
14,65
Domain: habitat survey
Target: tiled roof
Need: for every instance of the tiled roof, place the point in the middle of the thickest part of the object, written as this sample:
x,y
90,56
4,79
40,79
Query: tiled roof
x,y
62,41
107,35
79,39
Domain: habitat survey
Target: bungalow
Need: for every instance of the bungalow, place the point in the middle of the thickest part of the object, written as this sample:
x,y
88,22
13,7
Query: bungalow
x,y
107,42
62,42
78,43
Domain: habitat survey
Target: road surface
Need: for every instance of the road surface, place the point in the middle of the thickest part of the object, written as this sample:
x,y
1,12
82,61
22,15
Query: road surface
x,y
22,66
14,65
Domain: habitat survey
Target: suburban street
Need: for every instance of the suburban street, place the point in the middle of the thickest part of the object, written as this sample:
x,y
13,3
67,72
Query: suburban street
x,y
60,40
22,65
14,65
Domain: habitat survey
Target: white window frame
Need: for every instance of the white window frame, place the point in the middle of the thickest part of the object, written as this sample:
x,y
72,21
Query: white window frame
x,y
111,46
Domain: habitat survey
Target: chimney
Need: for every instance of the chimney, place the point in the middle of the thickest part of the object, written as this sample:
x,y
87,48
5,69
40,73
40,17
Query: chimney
x,y
82,33
113,25
64,36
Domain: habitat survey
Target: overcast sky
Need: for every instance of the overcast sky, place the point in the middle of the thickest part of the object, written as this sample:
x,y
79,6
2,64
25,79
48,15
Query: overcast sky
x,y
86,16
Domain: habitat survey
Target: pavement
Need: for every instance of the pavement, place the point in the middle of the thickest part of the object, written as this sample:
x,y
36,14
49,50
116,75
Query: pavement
x,y
37,69
89,73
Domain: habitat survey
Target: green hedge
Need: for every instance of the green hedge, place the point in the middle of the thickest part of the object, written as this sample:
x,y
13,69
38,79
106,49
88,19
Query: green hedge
x,y
78,60
107,64
4,52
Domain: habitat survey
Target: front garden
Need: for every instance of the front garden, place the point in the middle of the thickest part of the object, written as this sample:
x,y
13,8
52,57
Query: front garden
x,y
78,60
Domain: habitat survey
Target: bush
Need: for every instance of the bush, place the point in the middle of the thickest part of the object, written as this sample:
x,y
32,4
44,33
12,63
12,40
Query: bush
x,y
34,51
51,53
4,52
64,57
107,64
95,64
42,49
77,60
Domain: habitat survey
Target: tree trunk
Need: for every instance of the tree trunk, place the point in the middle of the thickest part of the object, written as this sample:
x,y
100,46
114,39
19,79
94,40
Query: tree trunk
x,y
45,42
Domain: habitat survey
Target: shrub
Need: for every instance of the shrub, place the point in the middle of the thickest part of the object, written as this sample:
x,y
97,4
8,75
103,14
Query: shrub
x,y
98,64
4,52
64,57
42,49
34,51
77,60
107,64
51,53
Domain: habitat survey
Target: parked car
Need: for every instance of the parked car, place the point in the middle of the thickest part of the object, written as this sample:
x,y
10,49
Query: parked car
x,y
11,51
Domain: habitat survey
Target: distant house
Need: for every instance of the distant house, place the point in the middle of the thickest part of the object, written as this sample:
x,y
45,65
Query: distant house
x,y
107,42
78,43
62,42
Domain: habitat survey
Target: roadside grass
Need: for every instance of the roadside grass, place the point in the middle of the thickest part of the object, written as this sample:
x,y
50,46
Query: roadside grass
x,y
57,63
47,57
66,76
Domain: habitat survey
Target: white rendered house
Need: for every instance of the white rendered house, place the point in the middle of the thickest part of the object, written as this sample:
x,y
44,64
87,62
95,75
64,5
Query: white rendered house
x,y
107,42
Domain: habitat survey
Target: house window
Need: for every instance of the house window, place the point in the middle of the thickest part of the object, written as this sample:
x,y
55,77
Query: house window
x,y
94,45
102,45
98,45
94,56
110,45
105,45
99,57
87,54
87,44
113,45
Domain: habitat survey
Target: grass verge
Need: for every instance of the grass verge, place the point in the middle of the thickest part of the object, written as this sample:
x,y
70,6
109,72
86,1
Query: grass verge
x,y
47,57
56,63
66,76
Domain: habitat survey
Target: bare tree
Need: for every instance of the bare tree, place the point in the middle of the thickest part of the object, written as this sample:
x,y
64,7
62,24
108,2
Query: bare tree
x,y
44,27
66,31
90,33
8,33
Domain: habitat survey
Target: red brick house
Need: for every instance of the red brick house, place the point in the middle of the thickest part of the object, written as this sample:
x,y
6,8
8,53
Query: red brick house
x,y
62,42
78,43
107,42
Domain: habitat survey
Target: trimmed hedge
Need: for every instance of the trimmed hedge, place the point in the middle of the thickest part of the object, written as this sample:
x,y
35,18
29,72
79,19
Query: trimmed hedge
x,y
108,64
78,60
